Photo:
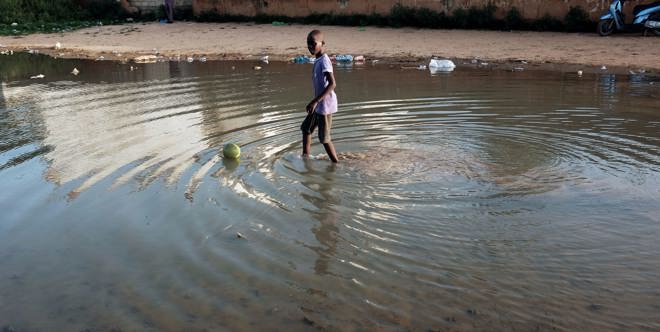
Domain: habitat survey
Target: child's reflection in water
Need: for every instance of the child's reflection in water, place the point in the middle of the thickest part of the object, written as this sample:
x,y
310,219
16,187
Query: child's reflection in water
x,y
326,231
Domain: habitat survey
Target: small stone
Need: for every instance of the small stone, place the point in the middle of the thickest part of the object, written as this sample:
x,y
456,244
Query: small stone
x,y
308,321
471,312
595,307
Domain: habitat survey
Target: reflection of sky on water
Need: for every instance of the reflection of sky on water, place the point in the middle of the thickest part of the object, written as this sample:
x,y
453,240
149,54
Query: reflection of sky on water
x,y
459,186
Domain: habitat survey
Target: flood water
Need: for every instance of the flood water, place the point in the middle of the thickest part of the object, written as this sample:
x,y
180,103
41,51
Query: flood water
x,y
475,200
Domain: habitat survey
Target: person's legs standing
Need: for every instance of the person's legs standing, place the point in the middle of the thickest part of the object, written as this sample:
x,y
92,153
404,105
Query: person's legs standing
x,y
307,129
169,10
325,125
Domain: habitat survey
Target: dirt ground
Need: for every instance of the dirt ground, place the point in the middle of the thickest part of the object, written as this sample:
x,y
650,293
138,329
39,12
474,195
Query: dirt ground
x,y
249,41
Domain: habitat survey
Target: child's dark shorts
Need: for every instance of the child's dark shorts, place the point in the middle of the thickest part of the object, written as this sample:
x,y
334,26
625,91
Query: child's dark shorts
x,y
323,121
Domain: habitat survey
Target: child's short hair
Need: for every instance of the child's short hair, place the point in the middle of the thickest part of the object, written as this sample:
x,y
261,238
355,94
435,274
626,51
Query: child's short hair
x,y
314,33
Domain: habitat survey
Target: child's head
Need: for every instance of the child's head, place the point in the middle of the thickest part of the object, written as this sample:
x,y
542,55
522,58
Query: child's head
x,y
315,42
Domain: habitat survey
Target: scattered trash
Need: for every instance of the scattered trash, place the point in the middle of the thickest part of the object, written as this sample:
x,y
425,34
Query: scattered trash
x,y
264,59
579,72
58,45
484,64
190,59
474,61
130,19
359,58
373,62
37,76
14,24
441,65
303,59
240,236
518,69
344,58
202,59
100,58
145,59
75,71
278,23
256,68
603,68
11,52
421,67
133,68
641,71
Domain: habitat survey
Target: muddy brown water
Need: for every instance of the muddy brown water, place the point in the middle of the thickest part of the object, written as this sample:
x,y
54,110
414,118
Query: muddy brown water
x,y
475,200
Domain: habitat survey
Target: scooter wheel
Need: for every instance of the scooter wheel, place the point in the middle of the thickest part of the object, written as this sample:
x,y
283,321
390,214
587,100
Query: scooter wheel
x,y
606,27
651,32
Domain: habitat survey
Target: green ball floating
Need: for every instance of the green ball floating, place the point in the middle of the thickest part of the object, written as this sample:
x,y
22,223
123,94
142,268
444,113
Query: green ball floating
x,y
231,151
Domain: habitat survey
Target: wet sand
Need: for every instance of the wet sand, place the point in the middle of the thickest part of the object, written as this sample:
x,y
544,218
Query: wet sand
x,y
232,41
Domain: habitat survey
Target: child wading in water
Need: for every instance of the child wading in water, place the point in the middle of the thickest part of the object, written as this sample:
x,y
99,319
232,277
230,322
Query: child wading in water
x,y
324,104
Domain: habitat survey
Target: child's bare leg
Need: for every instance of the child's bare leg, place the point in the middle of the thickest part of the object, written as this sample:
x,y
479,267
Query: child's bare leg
x,y
330,149
307,144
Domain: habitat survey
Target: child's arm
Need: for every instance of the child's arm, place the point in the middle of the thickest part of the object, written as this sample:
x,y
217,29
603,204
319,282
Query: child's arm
x,y
328,89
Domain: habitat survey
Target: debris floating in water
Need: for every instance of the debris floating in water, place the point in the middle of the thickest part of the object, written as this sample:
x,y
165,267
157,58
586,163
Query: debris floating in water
x,y
240,236
579,72
603,68
441,65
256,68
75,71
145,59
190,59
37,76
264,59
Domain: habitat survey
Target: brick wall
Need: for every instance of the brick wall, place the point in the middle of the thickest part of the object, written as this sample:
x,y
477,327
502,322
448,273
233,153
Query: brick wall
x,y
529,8
146,6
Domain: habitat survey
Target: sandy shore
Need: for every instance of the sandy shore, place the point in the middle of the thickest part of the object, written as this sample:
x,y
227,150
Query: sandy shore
x,y
248,41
